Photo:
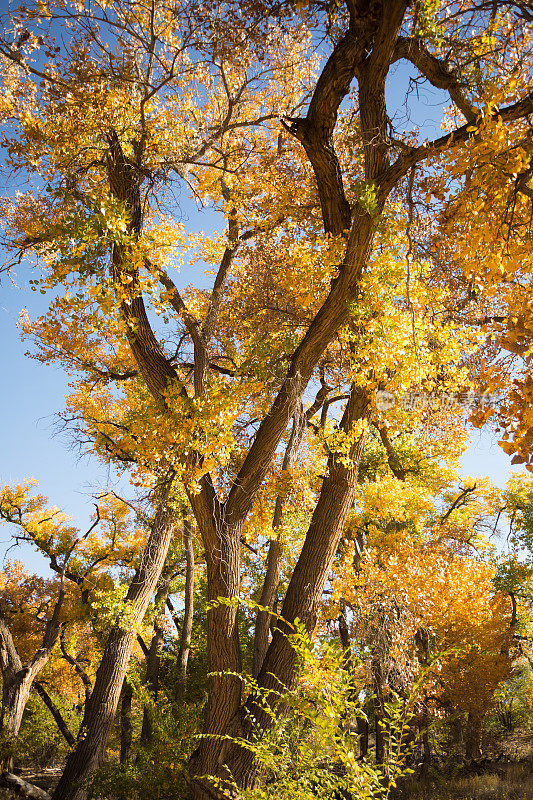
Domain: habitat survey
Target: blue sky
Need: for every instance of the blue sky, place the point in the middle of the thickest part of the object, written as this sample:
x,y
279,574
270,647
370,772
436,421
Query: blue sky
x,y
32,394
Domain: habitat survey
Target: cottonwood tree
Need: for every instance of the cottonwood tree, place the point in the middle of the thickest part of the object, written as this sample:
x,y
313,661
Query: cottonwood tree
x,y
417,573
149,94
18,675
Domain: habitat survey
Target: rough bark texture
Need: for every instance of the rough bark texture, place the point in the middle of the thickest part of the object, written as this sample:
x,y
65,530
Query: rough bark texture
x,y
105,696
301,600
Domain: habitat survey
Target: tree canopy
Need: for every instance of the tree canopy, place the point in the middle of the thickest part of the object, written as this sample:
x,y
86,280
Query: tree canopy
x,y
354,258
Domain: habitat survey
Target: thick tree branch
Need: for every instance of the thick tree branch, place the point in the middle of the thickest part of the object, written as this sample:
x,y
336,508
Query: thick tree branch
x,y
372,106
408,158
331,316
77,666
397,470
437,72
55,712
315,131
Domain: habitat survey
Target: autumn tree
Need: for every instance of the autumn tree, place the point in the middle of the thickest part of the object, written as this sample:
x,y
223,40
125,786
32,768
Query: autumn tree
x,y
20,669
417,575
321,213
94,568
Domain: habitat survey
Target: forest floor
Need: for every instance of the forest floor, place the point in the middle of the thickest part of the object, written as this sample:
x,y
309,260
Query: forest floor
x,y
513,781
506,773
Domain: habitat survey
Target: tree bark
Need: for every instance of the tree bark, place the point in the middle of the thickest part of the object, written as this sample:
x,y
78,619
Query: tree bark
x,y
126,726
273,566
301,601
153,661
362,732
474,729
188,610
15,694
90,750
17,679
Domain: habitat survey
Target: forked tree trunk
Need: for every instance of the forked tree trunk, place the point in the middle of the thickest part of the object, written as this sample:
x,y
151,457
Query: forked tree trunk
x,y
100,714
223,757
17,678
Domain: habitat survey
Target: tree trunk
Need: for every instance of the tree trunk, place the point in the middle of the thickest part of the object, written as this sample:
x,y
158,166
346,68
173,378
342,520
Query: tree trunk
x,y
90,750
17,679
153,661
273,565
301,601
474,729
268,596
188,611
126,726
15,694
223,648
362,732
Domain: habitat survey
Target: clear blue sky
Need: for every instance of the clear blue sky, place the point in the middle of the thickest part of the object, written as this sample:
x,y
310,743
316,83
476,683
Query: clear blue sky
x,y
32,394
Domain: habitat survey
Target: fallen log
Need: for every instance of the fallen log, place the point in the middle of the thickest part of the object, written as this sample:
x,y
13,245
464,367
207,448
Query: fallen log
x,y
22,787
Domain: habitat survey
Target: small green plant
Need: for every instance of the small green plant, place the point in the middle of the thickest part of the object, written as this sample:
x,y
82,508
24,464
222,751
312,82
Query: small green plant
x,y
159,770
309,750
39,743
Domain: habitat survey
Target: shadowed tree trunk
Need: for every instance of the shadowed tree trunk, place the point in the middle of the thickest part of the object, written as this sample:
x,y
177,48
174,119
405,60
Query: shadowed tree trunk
x,y
362,732
474,730
273,564
126,726
153,659
188,610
